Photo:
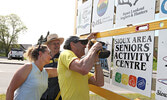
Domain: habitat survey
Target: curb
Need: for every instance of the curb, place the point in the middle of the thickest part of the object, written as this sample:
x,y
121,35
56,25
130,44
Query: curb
x,y
11,63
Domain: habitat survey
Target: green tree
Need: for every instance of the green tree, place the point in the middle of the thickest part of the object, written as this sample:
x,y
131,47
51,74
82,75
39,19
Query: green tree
x,y
10,27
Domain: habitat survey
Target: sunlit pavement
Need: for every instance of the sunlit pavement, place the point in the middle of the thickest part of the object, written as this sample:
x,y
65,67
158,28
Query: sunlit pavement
x,y
7,70
4,60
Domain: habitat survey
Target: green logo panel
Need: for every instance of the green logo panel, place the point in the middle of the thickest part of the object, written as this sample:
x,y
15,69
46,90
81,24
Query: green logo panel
x,y
118,77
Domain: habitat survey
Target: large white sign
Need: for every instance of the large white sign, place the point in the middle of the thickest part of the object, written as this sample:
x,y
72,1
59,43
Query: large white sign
x,y
103,12
163,8
132,62
134,11
106,62
84,18
161,82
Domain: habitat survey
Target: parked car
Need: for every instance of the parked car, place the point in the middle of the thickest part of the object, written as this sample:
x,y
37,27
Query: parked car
x,y
16,54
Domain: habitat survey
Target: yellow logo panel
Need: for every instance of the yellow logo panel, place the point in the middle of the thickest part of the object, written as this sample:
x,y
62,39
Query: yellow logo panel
x,y
125,79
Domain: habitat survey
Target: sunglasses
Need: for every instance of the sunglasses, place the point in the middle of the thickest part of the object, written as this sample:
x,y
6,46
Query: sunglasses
x,y
83,42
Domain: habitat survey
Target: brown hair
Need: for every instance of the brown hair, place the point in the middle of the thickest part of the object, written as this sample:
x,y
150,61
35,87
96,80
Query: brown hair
x,y
33,52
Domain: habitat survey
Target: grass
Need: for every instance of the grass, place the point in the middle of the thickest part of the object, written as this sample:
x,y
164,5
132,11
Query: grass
x,y
96,97
137,96
131,96
2,97
2,55
154,64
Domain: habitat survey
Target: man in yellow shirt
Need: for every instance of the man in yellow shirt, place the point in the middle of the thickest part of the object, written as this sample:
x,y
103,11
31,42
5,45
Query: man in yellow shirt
x,y
73,68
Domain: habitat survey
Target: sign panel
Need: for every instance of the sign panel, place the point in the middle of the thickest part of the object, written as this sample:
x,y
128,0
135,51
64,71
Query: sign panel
x,y
161,82
103,12
132,62
84,18
106,62
134,12
163,9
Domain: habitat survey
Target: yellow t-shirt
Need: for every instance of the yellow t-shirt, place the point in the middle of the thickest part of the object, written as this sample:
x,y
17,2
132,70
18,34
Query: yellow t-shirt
x,y
73,85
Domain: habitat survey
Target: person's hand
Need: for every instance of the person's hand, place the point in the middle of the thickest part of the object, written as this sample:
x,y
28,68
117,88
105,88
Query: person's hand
x,y
91,36
97,46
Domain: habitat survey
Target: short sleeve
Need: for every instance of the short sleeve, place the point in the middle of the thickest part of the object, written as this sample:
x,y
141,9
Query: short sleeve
x,y
67,57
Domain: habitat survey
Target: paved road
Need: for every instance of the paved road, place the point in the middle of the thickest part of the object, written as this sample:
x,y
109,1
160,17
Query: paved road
x,y
6,73
7,70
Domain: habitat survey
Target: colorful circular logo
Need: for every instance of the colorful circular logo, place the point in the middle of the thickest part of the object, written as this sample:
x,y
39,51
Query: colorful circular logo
x,y
102,7
164,7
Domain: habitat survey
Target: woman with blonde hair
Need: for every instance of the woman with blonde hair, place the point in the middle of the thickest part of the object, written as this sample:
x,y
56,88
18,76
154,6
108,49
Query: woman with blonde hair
x,y
31,80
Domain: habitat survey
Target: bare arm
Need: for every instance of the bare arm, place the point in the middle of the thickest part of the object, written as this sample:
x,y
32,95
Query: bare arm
x,y
84,65
52,72
18,79
98,79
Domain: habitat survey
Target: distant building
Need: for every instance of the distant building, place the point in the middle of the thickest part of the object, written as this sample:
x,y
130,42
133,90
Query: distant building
x,y
25,46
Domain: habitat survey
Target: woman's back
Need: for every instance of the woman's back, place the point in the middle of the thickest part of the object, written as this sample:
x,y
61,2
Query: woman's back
x,y
34,86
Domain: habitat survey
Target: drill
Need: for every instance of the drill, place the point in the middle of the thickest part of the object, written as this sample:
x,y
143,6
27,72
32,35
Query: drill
x,y
103,53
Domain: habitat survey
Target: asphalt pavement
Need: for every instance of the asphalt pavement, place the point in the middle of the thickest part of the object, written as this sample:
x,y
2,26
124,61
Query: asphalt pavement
x,y
7,70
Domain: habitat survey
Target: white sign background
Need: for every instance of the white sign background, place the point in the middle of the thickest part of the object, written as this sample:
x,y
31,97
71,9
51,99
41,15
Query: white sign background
x,y
161,82
134,11
163,8
103,12
84,18
139,50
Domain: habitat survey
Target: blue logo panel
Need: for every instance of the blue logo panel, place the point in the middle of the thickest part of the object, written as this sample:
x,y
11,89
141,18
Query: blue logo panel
x,y
141,83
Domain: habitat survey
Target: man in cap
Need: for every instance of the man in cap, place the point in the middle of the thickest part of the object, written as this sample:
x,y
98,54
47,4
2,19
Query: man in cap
x,y
53,91
73,69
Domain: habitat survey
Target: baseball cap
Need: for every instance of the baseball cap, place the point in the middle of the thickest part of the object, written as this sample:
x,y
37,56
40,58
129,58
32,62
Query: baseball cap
x,y
74,39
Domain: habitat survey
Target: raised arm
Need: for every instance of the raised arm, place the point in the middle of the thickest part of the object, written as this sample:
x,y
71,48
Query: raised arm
x,y
98,78
84,65
18,79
